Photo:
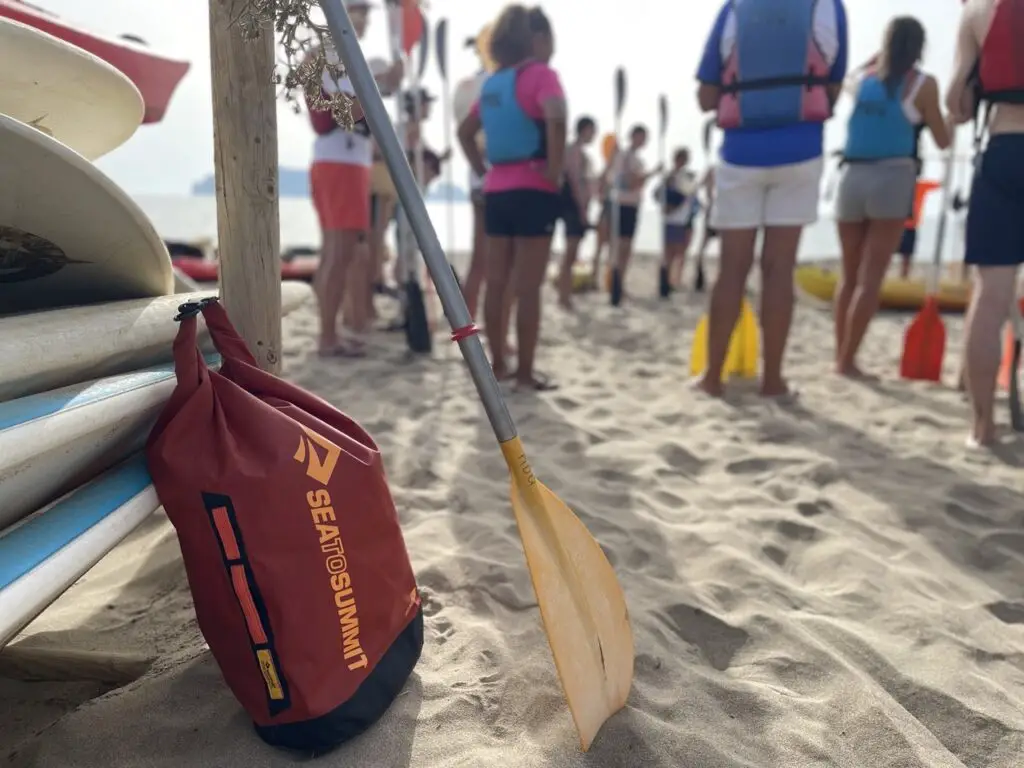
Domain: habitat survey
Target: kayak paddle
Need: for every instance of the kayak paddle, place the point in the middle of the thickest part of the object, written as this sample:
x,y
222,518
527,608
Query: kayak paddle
x,y
403,39
709,126
581,601
1016,412
664,286
924,343
441,51
617,174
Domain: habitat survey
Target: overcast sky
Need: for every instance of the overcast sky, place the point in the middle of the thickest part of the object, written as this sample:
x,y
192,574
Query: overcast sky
x,y
658,42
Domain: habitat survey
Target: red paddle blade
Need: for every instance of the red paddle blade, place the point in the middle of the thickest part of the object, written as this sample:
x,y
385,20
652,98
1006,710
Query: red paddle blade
x,y
412,24
924,345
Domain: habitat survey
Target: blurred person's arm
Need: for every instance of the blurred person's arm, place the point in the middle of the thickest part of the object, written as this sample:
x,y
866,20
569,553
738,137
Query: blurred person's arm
x,y
960,96
467,133
709,72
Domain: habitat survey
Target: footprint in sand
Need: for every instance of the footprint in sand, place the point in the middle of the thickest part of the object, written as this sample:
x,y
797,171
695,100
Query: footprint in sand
x,y
1007,612
717,641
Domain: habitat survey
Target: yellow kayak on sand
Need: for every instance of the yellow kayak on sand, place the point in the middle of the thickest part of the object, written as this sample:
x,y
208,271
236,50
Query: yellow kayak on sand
x,y
744,347
897,293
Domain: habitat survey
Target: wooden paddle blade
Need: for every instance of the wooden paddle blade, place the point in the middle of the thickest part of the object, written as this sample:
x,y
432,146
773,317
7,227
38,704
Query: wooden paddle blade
x,y
924,345
581,603
1016,413
698,283
417,327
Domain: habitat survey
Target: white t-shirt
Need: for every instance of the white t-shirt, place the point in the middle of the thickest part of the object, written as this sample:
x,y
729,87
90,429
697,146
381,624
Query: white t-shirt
x,y
686,182
341,146
630,164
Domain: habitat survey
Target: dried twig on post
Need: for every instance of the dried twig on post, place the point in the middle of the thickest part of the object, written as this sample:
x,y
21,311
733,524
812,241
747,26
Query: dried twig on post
x,y
303,41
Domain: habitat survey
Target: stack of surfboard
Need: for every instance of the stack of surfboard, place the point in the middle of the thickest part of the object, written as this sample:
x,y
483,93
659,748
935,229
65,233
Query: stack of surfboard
x,y
87,308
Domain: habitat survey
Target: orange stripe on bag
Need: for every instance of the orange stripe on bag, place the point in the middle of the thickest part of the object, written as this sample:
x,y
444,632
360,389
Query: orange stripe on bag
x,y
226,533
252,616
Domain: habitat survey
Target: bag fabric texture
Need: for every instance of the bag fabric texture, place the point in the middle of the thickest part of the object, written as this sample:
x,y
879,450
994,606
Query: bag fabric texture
x,y
299,573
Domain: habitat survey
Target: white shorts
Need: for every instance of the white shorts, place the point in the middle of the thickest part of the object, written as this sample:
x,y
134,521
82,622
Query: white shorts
x,y
780,196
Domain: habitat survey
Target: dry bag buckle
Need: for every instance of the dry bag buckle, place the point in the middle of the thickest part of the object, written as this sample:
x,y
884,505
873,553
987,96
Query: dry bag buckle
x,y
192,308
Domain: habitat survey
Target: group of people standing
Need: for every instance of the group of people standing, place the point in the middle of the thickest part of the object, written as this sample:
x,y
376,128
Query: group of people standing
x,y
527,175
771,165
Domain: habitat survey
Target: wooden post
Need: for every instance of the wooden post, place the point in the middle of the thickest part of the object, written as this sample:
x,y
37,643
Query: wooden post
x,y
246,168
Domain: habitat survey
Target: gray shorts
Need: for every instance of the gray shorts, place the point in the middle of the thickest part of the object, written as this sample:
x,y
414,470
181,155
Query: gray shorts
x,y
881,190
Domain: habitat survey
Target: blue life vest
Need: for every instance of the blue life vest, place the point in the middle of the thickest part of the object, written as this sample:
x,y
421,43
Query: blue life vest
x,y
512,136
879,129
775,74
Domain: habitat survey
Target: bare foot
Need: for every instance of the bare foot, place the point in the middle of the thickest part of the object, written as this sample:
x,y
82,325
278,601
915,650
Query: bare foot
x,y
851,371
982,435
711,387
777,388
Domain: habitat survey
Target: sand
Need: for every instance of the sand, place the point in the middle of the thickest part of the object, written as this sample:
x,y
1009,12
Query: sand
x,y
837,582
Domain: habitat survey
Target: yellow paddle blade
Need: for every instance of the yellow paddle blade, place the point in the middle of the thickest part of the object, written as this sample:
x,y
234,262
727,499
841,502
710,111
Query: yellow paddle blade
x,y
747,338
581,602
699,350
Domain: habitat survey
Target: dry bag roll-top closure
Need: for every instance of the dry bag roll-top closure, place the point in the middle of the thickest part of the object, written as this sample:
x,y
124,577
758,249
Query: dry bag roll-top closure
x,y
774,72
296,562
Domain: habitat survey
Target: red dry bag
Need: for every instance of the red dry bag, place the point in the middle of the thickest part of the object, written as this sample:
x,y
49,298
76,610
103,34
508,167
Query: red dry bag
x,y
296,562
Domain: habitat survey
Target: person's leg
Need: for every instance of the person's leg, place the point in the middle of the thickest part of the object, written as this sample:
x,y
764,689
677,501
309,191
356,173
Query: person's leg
x,y
879,244
329,287
852,193
532,253
477,260
356,267
327,188
994,290
603,225
498,246
738,214
851,241
678,265
791,204
572,247
628,219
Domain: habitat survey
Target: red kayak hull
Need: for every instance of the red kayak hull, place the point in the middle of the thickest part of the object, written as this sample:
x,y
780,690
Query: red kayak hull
x,y
207,272
155,76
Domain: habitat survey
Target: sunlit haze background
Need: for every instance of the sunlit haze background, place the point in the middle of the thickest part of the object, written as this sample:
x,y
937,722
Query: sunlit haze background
x,y
659,43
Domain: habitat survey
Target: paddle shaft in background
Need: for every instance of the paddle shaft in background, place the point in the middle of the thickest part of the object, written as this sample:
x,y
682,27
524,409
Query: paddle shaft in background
x,y
663,158
441,51
1016,412
699,281
246,167
617,176
417,326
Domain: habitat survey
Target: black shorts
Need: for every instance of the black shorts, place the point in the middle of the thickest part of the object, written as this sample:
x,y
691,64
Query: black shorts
x,y
628,215
908,243
995,215
521,213
575,225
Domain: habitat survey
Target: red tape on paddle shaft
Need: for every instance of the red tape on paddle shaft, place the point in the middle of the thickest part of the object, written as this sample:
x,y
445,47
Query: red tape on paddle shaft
x,y
459,334
412,24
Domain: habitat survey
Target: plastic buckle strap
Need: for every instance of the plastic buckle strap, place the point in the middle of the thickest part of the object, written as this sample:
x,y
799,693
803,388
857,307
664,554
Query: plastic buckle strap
x,y
193,308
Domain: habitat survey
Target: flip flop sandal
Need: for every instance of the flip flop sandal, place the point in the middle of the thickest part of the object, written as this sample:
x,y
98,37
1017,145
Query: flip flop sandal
x,y
540,383
347,350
